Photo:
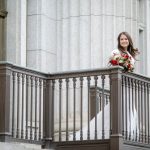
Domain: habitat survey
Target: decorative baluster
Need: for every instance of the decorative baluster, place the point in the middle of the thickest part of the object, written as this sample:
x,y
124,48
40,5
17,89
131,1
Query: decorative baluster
x,y
148,112
104,99
126,107
60,103
53,98
103,105
123,110
13,103
67,106
43,113
36,86
107,99
81,111
40,91
139,110
100,101
31,109
88,84
136,106
74,109
18,104
132,107
95,78
27,98
22,123
110,83
142,119
130,111
145,112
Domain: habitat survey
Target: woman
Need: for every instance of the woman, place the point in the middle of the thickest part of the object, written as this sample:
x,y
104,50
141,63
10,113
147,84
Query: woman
x,y
126,48
125,54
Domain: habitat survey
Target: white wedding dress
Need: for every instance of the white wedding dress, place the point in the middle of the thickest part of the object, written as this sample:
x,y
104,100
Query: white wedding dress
x,y
132,126
99,126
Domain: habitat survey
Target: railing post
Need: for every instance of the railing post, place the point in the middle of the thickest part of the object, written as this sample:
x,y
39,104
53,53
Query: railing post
x,y
48,114
5,101
116,138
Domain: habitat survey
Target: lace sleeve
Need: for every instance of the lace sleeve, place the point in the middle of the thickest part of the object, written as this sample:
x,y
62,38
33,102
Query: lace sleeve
x,y
115,51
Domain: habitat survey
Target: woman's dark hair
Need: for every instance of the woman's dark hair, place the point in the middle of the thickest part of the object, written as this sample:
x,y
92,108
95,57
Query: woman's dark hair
x,y
133,51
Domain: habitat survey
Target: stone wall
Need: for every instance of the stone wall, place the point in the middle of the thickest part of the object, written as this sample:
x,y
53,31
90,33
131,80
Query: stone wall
x,y
60,35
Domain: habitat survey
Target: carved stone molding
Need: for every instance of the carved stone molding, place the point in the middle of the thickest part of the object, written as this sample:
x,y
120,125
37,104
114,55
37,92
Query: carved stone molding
x,y
3,13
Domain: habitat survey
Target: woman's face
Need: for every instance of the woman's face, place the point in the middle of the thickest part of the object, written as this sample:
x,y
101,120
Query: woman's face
x,y
124,42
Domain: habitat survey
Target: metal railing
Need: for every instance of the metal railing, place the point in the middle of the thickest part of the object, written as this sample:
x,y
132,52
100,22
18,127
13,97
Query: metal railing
x,y
136,108
26,89
27,105
73,94
74,106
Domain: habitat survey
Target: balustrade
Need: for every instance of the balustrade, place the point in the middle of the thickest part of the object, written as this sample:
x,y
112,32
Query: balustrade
x,y
74,106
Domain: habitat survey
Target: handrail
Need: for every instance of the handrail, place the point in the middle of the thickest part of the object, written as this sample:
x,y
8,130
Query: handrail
x,y
84,72
21,69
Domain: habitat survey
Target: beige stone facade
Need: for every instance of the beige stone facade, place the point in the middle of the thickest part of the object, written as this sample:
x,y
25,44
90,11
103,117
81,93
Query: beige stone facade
x,y
60,35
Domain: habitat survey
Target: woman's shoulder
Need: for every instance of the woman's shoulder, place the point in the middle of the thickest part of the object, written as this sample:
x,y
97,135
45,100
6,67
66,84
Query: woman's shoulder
x,y
115,51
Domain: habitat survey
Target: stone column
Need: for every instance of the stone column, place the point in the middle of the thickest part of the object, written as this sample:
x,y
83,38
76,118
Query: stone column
x,y
74,35
16,32
85,34
63,35
3,14
97,34
41,35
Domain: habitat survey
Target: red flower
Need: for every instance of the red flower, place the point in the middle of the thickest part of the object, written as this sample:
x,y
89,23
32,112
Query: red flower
x,y
125,56
123,60
129,66
114,62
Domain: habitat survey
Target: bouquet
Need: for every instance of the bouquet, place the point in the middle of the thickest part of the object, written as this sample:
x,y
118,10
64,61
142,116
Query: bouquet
x,y
123,60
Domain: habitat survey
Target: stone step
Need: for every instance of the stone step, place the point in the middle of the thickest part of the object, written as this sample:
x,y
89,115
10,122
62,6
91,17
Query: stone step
x,y
19,146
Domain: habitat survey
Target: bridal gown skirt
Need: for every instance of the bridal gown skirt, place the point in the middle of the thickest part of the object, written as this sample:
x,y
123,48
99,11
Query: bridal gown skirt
x,y
132,126
99,126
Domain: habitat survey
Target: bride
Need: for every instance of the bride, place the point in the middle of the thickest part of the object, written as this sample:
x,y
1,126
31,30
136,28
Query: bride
x,y
96,125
